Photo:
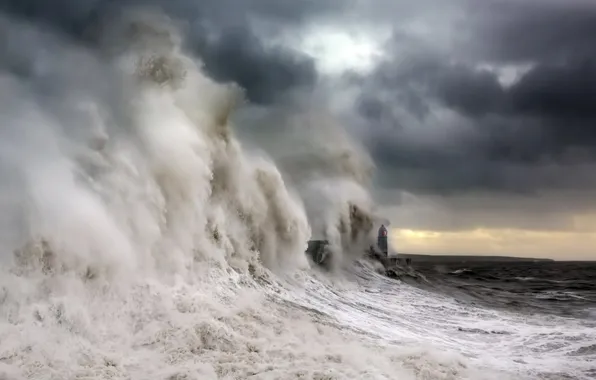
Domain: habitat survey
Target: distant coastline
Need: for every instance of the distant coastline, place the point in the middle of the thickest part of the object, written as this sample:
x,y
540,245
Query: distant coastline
x,y
465,258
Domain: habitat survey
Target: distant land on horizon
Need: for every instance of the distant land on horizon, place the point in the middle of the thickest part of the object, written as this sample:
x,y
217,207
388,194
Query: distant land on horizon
x,y
465,258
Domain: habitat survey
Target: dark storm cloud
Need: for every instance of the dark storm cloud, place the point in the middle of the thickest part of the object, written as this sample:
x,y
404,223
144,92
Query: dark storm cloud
x,y
535,31
525,137
264,73
222,32
74,16
436,114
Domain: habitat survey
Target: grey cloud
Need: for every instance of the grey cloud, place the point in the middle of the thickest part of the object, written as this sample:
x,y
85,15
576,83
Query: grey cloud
x,y
436,118
225,33
265,73
529,31
536,134
74,16
549,212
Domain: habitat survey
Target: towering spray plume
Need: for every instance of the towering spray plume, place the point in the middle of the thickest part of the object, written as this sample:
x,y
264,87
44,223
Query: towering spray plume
x,y
136,167
134,222
155,181
330,171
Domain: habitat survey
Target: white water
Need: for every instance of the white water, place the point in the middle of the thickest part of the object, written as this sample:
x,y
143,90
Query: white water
x,y
141,241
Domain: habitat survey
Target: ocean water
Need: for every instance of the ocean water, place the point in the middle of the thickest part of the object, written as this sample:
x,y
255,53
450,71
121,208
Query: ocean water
x,y
566,289
539,315
141,239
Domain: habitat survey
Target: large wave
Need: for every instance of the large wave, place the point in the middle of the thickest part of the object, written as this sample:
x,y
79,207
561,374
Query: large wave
x,y
138,235
128,163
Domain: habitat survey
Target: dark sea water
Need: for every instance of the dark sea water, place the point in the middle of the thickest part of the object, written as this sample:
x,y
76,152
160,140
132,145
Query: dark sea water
x,y
534,320
559,288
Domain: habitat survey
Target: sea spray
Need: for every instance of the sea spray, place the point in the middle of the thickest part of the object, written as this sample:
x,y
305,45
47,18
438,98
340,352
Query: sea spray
x,y
330,171
178,165
142,240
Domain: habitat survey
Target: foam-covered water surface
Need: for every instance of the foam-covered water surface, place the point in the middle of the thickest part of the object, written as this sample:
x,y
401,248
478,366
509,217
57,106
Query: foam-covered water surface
x,y
532,346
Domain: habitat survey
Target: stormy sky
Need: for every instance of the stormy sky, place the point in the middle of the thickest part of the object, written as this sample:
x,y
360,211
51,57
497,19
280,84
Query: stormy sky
x,y
480,115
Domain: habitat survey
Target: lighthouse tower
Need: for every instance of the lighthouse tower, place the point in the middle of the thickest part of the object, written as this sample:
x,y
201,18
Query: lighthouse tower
x,y
382,240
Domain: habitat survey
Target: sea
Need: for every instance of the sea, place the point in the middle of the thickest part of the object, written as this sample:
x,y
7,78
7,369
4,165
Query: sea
x,y
142,239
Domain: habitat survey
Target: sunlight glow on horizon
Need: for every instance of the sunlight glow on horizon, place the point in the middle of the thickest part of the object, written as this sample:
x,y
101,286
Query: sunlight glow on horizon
x,y
557,245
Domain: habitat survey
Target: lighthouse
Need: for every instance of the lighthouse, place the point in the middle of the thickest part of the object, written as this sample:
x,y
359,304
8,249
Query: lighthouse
x,y
382,240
